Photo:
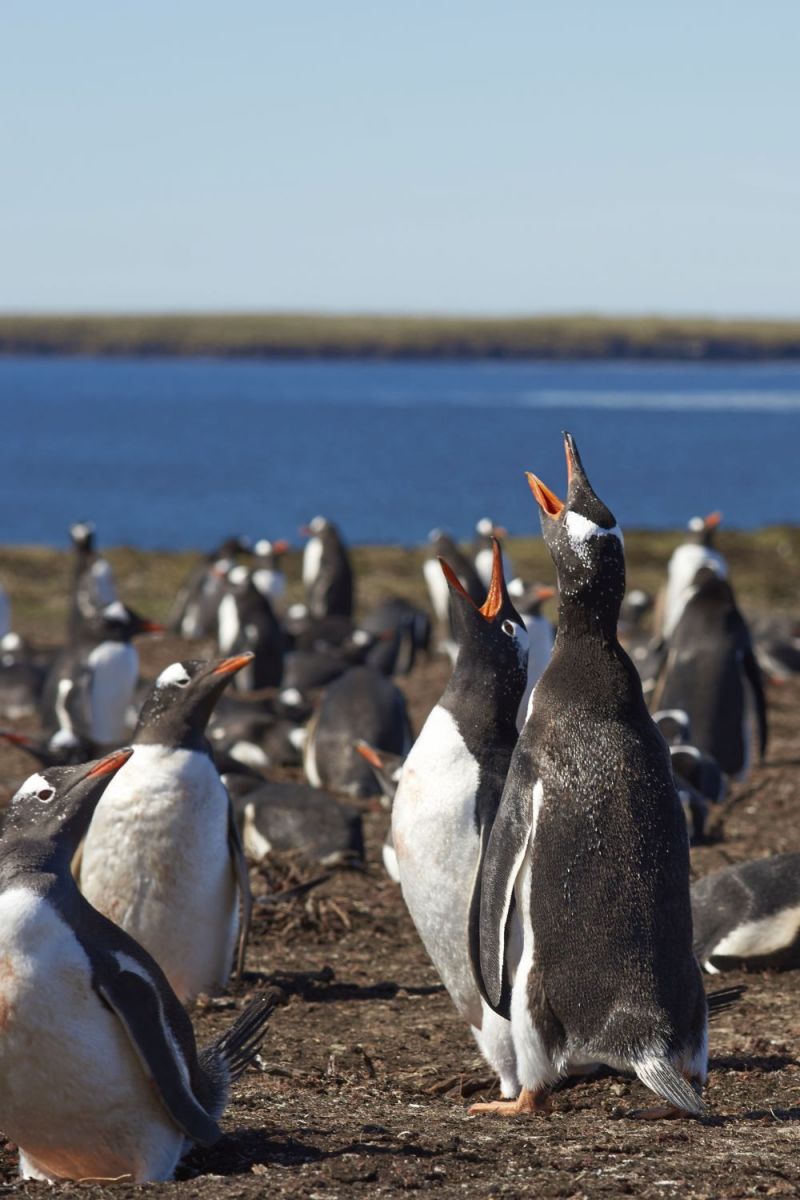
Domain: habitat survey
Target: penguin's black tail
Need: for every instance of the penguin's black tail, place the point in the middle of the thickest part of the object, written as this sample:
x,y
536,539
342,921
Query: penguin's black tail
x,y
222,1061
661,1077
721,1001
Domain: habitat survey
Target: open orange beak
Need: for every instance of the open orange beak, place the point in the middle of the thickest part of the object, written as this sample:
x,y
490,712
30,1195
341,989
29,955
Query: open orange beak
x,y
373,758
281,546
548,501
494,600
111,763
712,520
229,666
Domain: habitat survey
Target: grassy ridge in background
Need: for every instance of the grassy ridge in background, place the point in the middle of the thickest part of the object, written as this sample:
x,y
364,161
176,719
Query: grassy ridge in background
x,y
285,335
765,568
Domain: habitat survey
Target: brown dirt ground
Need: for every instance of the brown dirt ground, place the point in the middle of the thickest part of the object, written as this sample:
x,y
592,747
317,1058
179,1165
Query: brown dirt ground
x,y
366,1072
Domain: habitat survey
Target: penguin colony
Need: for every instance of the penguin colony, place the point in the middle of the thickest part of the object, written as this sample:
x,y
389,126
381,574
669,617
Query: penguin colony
x,y
540,820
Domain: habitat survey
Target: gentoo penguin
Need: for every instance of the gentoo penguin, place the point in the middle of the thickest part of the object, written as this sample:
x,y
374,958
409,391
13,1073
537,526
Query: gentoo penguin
x,y
441,546
683,566
294,816
61,749
162,857
698,778
749,913
93,584
248,625
21,678
483,551
402,629
447,798
315,668
100,1077
360,702
265,732
776,640
711,674
327,573
101,670
541,635
387,769
194,609
591,841
268,576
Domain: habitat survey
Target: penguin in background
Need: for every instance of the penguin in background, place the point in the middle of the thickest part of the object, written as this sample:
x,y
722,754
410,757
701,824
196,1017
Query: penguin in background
x,y
92,682
93,585
749,914
692,555
61,749
296,817
247,625
327,572
162,856
5,612
194,610
403,631
699,780
711,673
483,551
541,634
362,701
447,798
590,840
100,1076
441,546
21,678
387,769
268,575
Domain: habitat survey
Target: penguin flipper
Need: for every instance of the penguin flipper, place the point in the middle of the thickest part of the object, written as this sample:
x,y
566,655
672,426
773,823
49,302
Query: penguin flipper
x,y
507,846
503,1005
243,880
755,679
135,1001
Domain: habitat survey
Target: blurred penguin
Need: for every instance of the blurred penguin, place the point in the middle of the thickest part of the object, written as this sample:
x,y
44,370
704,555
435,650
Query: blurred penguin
x,y
93,584
327,573
692,555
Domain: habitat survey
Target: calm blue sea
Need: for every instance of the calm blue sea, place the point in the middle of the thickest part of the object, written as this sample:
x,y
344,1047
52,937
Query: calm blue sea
x,y
164,453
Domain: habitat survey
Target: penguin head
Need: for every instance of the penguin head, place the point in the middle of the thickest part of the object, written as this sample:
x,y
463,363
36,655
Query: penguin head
x,y
386,767
59,802
269,552
584,541
118,623
703,529
673,725
492,633
485,530
62,749
182,699
529,600
228,549
82,536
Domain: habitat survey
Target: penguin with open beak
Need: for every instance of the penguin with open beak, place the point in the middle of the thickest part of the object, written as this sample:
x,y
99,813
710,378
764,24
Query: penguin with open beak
x,y
590,840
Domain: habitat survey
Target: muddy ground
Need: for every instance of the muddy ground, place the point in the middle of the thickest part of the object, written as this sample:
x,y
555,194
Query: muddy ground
x,y
366,1073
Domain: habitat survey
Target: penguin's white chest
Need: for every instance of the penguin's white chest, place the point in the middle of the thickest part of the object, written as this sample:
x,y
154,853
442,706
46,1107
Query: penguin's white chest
x,y
156,861
435,836
686,561
437,589
228,624
312,561
115,670
73,1095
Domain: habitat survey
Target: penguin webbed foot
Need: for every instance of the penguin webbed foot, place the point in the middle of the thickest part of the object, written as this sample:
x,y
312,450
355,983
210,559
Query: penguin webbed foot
x,y
527,1101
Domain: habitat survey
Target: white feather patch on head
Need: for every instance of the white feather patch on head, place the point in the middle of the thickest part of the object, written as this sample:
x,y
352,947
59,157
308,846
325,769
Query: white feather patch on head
x,y
361,637
291,696
35,787
237,575
484,526
263,547
580,529
174,675
297,612
317,524
696,524
11,642
116,612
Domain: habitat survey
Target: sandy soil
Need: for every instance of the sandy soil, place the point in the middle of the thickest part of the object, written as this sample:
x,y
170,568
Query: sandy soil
x,y
366,1072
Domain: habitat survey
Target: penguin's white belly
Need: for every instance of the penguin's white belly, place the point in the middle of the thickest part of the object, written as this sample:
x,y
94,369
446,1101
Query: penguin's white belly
x,y
312,561
227,624
270,583
437,589
436,843
686,561
156,861
73,1095
115,670
765,936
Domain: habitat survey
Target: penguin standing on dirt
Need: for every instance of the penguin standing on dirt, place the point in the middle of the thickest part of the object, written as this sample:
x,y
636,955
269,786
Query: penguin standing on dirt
x,y
194,609
100,1077
591,841
683,566
327,573
711,673
162,857
749,913
93,583
447,798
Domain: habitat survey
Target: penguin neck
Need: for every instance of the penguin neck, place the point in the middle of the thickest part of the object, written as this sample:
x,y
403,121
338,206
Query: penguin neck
x,y
490,698
580,617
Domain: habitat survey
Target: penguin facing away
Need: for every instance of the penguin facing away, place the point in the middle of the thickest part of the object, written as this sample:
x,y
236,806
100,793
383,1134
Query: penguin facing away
x,y
162,856
327,573
100,1077
711,673
591,841
447,797
749,913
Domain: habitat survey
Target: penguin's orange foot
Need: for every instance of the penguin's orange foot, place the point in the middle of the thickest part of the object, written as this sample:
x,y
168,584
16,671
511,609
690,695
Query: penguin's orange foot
x,y
526,1102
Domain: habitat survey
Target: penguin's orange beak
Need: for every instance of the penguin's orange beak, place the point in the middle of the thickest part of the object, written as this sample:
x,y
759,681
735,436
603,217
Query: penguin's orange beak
x,y
548,501
373,758
545,593
153,627
16,739
229,666
494,600
281,546
111,763
712,520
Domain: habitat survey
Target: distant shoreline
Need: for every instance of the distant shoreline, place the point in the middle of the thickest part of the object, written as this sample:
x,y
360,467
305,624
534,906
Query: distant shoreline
x,y
325,337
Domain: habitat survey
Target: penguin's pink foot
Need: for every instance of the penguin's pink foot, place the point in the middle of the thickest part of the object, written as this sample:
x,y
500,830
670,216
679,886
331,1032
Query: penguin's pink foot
x,y
526,1102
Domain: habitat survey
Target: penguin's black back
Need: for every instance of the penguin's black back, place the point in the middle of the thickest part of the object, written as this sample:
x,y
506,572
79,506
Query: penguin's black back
x,y
750,891
362,703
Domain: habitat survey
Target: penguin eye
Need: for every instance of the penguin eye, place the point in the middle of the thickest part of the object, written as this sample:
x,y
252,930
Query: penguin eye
x,y
46,794
508,628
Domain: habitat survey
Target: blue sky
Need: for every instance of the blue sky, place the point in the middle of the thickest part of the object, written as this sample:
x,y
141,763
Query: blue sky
x,y
439,156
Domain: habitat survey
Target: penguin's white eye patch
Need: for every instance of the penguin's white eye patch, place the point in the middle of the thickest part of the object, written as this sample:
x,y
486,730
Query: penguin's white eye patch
x,y
175,675
580,529
238,576
35,787
508,628
116,612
